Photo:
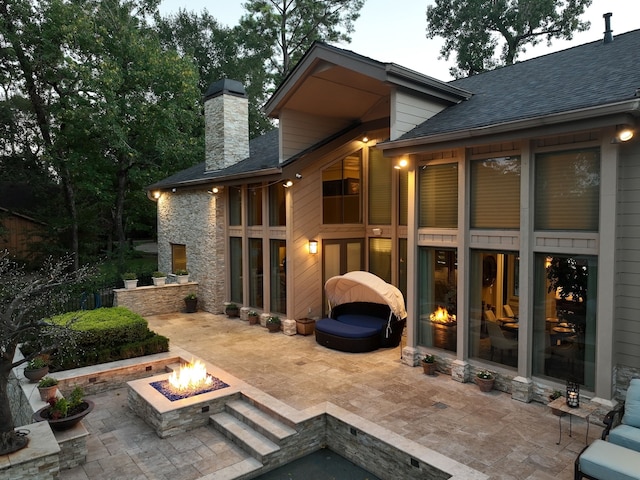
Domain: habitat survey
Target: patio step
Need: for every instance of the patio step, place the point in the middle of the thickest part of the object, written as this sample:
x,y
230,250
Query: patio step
x,y
242,469
256,444
259,420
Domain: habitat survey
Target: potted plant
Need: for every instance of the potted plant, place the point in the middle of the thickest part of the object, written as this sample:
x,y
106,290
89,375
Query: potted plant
x,y
62,413
273,324
130,280
36,369
191,302
554,396
305,326
429,364
232,310
485,380
47,387
159,278
253,317
182,275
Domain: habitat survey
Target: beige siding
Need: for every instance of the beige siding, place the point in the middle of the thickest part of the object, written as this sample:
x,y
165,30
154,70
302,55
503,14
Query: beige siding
x,y
408,111
627,322
299,131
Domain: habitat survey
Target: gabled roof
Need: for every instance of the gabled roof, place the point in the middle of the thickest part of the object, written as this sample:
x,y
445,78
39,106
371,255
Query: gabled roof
x,y
263,156
581,78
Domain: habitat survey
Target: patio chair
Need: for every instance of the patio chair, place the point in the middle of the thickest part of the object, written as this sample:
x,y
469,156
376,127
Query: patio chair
x,y
498,340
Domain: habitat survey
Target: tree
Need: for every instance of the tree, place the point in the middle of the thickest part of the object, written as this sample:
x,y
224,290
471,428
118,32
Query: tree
x,y
108,109
25,299
475,28
291,27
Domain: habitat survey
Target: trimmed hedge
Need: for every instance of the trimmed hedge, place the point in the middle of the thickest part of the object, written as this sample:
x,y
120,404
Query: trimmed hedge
x,y
106,335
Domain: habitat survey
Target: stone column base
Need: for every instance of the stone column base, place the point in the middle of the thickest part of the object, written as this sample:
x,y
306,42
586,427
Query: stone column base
x,y
460,371
522,389
410,356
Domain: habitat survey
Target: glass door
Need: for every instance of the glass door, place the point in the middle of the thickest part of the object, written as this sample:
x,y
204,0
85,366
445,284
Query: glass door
x,y
339,257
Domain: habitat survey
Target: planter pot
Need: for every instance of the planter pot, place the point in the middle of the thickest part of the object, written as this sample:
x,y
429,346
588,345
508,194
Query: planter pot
x,y
159,281
182,278
253,319
191,305
429,368
37,374
63,423
485,384
273,327
130,284
305,326
232,312
47,392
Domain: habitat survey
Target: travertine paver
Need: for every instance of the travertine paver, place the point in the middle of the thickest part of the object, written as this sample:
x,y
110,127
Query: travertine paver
x,y
490,432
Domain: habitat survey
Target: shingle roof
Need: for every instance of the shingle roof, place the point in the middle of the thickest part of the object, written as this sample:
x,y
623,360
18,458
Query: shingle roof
x,y
589,75
263,154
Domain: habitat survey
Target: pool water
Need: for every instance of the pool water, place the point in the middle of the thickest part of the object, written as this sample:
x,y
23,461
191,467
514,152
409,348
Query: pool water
x,y
322,464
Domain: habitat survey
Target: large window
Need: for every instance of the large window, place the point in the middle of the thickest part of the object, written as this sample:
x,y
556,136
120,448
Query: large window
x,y
380,258
495,193
278,276
437,291
277,211
567,190
494,306
235,206
403,196
235,269
379,188
256,273
341,191
564,323
254,204
438,196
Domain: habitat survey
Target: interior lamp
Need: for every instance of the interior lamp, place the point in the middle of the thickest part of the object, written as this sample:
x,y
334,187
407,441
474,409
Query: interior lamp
x,y
313,247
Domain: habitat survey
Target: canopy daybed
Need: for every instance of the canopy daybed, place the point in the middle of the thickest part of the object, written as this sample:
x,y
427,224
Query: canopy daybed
x,y
366,313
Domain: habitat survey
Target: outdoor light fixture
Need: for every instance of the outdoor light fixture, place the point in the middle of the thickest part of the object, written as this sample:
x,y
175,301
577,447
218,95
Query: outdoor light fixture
x,y
156,194
173,190
313,247
298,176
365,139
287,183
573,394
402,163
213,191
624,133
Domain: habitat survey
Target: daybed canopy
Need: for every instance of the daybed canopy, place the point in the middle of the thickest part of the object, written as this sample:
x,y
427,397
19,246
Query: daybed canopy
x,y
361,286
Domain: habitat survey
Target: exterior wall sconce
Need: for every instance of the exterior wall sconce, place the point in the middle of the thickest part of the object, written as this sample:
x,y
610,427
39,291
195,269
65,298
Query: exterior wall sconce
x,y
287,183
402,163
213,191
365,139
624,133
313,247
156,194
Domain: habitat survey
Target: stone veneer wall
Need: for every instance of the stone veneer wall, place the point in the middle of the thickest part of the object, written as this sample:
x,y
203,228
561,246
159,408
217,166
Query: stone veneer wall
x,y
226,130
155,300
196,219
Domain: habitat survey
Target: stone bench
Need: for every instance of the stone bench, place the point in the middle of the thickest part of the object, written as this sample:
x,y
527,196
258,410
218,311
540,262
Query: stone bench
x,y
606,461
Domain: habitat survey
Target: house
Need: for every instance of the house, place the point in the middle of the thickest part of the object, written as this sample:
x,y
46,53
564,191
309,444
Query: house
x,y
505,206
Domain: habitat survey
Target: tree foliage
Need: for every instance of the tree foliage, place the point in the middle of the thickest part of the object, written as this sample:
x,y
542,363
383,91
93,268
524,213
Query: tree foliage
x,y
291,27
26,299
475,29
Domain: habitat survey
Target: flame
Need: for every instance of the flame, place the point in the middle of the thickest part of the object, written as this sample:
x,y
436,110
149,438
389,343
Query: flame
x,y
191,376
441,315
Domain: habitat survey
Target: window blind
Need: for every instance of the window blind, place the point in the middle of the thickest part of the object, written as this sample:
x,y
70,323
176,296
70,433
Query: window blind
x,y
379,188
495,193
438,196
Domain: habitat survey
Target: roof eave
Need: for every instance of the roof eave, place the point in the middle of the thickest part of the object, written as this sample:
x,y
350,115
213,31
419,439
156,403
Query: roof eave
x,y
221,180
631,108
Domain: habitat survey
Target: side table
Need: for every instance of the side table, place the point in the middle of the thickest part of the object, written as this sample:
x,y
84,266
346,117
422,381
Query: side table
x,y
583,411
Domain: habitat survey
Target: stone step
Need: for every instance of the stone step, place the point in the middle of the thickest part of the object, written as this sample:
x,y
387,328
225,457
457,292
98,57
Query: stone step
x,y
256,444
238,470
259,420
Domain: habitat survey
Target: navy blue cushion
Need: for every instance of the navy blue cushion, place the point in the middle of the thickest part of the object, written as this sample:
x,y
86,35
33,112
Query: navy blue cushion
x,y
341,329
363,321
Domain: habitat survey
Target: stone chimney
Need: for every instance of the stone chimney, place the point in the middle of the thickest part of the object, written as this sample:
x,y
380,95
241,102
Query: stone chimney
x,y
226,116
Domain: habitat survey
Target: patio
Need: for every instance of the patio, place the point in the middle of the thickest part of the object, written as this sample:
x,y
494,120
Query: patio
x,y
489,432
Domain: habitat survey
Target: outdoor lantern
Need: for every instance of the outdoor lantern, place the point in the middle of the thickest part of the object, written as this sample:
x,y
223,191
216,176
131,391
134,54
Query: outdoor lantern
x,y
313,247
573,394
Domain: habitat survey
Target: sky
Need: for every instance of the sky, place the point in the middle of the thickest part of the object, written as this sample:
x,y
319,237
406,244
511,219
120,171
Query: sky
x,y
394,31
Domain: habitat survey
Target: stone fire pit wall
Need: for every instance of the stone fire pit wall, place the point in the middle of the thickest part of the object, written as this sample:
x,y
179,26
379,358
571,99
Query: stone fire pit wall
x,y
156,300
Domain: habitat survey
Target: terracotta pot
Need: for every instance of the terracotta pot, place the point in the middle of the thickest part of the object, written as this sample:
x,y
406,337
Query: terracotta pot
x,y
485,384
253,319
273,327
429,368
66,422
47,392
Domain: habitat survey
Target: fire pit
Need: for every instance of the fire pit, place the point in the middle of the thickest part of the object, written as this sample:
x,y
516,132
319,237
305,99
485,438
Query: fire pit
x,y
442,316
176,402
